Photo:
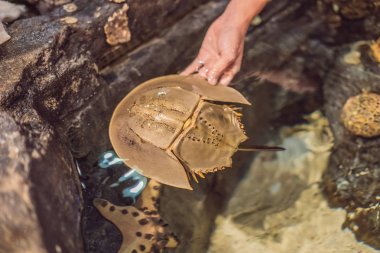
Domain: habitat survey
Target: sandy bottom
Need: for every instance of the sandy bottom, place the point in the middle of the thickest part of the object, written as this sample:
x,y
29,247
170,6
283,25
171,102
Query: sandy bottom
x,y
279,208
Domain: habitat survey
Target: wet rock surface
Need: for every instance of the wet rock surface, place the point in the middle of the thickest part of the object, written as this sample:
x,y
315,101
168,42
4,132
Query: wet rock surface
x,y
352,178
18,216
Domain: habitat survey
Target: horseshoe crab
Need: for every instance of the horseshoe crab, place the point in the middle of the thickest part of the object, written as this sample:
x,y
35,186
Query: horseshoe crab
x,y
174,125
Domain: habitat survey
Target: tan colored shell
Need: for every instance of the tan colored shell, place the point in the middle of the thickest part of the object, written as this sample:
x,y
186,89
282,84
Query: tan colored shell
x,y
361,115
170,125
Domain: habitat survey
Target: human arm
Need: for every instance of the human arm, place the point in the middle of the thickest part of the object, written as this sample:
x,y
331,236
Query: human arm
x,y
221,53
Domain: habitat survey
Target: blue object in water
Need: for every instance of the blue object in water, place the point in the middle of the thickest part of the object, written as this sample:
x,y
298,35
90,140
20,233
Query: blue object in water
x,y
109,158
135,190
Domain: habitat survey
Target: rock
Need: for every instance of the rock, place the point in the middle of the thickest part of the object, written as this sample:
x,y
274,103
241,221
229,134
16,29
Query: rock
x,y
353,175
350,21
57,194
68,48
19,226
116,28
40,170
355,9
70,7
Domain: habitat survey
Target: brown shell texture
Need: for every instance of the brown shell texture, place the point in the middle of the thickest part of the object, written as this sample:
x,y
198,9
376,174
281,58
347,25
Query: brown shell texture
x,y
361,115
174,126
141,226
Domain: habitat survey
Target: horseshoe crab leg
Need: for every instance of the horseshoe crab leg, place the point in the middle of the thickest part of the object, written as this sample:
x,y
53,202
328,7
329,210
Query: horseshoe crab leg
x,y
195,178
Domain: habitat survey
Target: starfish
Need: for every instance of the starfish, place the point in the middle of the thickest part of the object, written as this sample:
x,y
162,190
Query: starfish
x,y
142,228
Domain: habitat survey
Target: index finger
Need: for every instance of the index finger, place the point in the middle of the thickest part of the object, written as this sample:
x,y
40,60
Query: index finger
x,y
192,68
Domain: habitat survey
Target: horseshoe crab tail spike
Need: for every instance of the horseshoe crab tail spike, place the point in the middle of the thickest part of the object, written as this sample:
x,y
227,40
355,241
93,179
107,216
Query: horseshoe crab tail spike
x,y
261,148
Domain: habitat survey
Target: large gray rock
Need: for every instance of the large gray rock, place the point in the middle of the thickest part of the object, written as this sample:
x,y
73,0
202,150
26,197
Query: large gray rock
x,y
39,190
18,216
353,177
51,51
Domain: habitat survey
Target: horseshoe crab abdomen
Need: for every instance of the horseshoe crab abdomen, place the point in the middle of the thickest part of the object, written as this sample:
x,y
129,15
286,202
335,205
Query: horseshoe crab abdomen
x,y
210,141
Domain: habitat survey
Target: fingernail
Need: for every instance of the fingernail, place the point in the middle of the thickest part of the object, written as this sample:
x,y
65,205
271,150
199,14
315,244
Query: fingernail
x,y
212,81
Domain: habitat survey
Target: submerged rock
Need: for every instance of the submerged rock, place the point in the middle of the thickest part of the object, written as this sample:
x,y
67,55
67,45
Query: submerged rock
x,y
279,208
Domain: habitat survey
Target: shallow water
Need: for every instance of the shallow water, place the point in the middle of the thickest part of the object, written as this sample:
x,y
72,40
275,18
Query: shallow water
x,y
279,207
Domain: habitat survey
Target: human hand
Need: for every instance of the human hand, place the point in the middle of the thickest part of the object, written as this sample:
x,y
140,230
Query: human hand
x,y
221,53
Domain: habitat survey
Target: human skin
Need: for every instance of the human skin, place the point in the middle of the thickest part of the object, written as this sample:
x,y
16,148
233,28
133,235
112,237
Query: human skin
x,y
221,53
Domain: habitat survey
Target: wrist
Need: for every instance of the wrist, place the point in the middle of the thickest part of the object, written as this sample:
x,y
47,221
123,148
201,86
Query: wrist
x,y
241,12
